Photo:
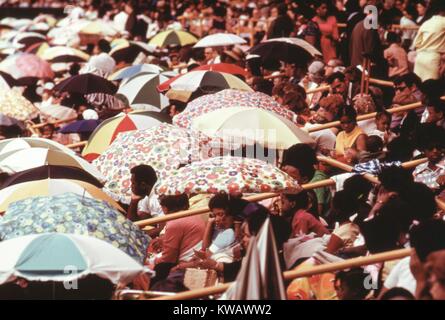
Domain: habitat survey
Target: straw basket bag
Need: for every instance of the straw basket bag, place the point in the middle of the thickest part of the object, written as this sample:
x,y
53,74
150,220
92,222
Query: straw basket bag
x,y
200,278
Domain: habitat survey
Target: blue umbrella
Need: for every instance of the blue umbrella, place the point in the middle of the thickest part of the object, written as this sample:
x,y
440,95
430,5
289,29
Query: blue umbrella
x,y
80,126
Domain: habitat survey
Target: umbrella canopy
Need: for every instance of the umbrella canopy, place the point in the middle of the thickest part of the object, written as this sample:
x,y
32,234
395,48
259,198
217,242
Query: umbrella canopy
x,y
141,89
8,121
15,144
14,105
80,126
38,48
20,160
28,38
86,83
6,77
260,277
220,67
53,172
164,147
219,40
45,257
23,65
251,125
57,111
290,50
64,54
76,214
131,71
206,81
98,27
129,50
51,187
173,38
229,98
229,174
108,130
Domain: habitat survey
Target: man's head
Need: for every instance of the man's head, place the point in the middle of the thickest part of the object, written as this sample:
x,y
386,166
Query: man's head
x,y
143,178
406,83
432,142
350,285
436,110
290,203
338,83
332,65
209,54
172,204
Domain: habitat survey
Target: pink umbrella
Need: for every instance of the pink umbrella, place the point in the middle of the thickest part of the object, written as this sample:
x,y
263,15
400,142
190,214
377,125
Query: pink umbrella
x,y
24,65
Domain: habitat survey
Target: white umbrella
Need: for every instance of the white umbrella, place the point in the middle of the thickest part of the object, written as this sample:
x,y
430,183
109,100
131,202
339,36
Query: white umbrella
x,y
219,39
15,144
57,111
46,257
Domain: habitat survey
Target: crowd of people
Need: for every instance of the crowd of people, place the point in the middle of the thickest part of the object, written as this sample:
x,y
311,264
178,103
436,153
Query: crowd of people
x,y
353,218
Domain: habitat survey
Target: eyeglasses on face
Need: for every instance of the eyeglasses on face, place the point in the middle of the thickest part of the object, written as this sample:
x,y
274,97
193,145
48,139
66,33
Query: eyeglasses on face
x,y
400,88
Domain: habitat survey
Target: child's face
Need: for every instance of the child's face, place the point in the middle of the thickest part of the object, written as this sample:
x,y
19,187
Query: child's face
x,y
222,220
383,123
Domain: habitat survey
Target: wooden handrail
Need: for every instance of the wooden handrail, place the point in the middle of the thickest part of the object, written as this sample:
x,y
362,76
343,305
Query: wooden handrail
x,y
294,274
40,125
381,82
77,144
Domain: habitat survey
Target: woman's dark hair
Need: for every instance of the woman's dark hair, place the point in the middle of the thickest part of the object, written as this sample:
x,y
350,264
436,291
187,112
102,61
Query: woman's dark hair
x,y
104,45
345,205
175,203
392,37
399,149
354,279
144,173
428,237
348,111
358,187
301,199
335,76
302,157
397,292
395,179
421,200
437,6
429,135
233,206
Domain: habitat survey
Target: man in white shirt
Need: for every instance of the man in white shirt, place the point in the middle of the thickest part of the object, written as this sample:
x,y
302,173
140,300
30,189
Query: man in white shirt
x,y
144,203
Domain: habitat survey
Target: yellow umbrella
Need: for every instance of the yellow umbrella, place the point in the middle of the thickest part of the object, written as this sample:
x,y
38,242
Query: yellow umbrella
x,y
173,37
251,125
51,187
64,54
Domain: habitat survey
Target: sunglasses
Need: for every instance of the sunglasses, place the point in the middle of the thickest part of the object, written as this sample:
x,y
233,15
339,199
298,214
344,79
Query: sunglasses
x,y
400,88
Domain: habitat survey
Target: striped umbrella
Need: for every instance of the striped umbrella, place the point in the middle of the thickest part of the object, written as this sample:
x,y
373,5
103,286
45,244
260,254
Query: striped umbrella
x,y
28,38
64,54
45,257
229,98
131,71
14,144
24,159
38,48
97,27
129,50
52,187
220,67
142,89
206,81
108,130
23,65
173,38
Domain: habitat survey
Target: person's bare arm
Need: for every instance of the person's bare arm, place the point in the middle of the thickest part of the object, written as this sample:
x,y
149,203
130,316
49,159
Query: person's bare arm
x,y
206,241
132,212
361,142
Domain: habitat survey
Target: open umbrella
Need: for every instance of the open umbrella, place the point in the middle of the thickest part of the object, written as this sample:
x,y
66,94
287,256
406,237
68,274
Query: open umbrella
x,y
64,54
28,38
46,257
15,144
8,121
51,187
98,27
206,81
141,89
108,130
86,83
38,48
252,125
80,126
53,172
290,50
229,174
129,50
27,65
173,38
164,147
14,105
219,40
260,277
77,214
20,160
57,111
226,99
220,67
131,71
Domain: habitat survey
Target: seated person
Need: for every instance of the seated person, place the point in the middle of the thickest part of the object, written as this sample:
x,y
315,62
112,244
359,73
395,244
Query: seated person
x,y
374,150
352,136
294,209
383,123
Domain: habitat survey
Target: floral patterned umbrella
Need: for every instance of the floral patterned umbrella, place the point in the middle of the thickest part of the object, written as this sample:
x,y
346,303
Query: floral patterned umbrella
x,y
229,98
75,214
164,147
14,105
229,174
